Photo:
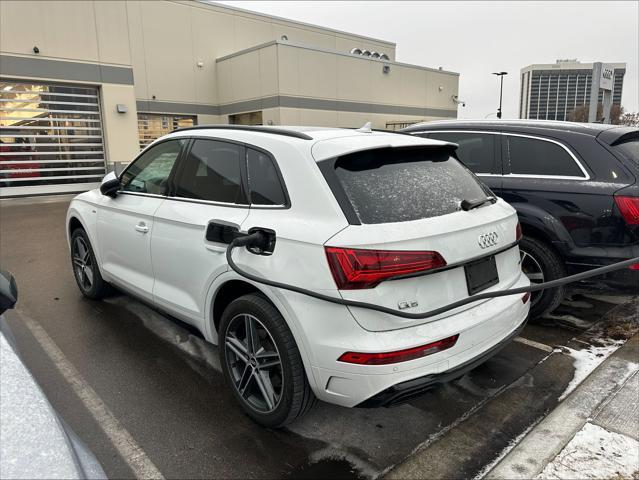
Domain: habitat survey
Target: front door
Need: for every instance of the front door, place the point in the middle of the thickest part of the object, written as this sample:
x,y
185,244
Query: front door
x,y
125,223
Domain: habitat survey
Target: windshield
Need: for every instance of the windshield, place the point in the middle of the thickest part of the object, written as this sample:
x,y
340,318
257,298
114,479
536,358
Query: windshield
x,y
387,185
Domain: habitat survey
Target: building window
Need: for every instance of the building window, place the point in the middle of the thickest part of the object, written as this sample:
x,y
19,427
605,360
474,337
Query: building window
x,y
154,125
248,118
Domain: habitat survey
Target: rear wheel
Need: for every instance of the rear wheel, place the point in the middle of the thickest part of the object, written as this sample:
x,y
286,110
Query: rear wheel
x,y
541,264
261,362
85,267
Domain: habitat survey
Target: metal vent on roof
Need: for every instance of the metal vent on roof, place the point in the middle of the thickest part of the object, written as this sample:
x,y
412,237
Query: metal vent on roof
x,y
370,54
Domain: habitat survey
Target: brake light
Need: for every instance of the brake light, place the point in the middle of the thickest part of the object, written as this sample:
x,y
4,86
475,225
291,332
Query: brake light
x,y
629,208
399,355
634,266
526,297
518,233
357,268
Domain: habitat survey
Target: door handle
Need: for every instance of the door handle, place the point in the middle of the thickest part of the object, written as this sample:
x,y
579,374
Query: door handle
x,y
141,227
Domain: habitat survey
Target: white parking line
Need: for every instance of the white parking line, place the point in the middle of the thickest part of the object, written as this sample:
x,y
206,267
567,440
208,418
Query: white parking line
x,y
532,343
122,440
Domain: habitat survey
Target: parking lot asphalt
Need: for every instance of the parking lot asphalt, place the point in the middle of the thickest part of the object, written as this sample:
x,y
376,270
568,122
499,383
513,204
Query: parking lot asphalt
x,y
162,382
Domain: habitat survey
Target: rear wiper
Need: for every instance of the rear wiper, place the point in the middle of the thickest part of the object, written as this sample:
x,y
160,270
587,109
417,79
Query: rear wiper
x,y
470,204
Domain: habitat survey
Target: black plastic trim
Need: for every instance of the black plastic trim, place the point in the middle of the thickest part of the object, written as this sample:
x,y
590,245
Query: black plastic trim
x,y
249,128
403,392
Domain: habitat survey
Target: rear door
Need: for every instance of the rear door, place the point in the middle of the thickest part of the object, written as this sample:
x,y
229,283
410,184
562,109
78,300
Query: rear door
x,y
412,247
208,186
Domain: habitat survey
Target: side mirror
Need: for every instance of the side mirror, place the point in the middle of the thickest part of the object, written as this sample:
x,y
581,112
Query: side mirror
x,y
110,185
8,291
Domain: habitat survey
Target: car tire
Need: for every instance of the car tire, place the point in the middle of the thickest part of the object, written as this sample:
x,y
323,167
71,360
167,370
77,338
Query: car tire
x,y
85,267
289,395
539,257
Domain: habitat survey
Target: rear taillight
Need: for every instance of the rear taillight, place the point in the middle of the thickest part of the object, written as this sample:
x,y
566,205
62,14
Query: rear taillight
x,y
356,268
629,208
399,355
526,297
634,266
518,233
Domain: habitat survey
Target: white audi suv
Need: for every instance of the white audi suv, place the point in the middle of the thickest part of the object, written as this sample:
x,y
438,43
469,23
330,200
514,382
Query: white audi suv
x,y
387,219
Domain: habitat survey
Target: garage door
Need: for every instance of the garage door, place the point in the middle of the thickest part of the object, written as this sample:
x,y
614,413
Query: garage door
x,y
51,138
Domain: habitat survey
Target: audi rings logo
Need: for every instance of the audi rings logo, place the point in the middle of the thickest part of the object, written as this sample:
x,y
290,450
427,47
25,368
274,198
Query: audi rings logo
x,y
488,240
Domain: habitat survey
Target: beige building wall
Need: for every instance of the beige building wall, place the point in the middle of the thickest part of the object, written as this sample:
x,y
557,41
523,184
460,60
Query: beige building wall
x,y
313,86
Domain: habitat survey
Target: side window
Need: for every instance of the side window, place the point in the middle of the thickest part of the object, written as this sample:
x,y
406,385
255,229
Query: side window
x,y
212,172
532,156
150,171
476,150
264,182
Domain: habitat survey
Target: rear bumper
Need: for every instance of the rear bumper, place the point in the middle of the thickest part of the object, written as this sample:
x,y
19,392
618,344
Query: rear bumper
x,y
590,258
331,333
402,392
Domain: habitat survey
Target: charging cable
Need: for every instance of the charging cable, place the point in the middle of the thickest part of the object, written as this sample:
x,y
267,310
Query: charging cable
x,y
258,238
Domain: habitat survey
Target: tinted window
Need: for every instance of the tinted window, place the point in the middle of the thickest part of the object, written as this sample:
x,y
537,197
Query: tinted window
x,y
396,185
264,181
531,156
629,149
150,171
212,172
476,150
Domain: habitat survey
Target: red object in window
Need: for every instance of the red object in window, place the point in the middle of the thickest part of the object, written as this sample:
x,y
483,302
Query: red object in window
x,y
356,268
399,355
629,208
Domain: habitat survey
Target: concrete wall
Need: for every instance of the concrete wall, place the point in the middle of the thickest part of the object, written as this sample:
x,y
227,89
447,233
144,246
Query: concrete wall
x,y
319,87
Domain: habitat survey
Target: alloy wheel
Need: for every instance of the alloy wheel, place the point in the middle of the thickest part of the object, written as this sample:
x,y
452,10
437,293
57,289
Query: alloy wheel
x,y
254,363
532,269
82,264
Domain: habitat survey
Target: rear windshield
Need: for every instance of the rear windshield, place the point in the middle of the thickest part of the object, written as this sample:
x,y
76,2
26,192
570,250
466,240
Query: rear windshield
x,y
399,185
629,149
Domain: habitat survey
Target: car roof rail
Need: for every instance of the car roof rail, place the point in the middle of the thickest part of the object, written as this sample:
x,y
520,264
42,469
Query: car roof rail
x,y
250,128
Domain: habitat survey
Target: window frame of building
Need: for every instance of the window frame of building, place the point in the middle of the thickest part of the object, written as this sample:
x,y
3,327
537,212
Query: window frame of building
x,y
507,167
172,121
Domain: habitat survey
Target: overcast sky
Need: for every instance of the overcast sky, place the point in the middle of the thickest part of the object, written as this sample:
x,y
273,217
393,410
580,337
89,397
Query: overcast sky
x,y
477,38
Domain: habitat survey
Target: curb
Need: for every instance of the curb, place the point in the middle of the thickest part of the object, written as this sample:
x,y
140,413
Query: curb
x,y
546,440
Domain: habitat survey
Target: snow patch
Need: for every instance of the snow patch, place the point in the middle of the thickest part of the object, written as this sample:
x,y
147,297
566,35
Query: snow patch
x,y
570,320
616,299
586,360
594,452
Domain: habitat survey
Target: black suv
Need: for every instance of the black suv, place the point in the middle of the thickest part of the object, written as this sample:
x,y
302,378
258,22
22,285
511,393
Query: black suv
x,y
574,185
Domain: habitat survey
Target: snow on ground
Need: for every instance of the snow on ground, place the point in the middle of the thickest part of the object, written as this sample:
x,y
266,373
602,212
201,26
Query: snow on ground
x,y
594,452
586,360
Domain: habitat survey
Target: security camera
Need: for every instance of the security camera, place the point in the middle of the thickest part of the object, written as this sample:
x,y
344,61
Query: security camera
x,y
456,99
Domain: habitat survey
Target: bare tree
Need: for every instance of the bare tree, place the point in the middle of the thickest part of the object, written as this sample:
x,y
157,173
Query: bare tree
x,y
580,114
630,119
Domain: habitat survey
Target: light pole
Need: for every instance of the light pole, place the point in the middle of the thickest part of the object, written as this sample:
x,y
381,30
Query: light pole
x,y
501,89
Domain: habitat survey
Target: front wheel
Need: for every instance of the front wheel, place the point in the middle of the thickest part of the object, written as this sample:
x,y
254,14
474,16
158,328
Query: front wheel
x,y
541,264
85,267
261,362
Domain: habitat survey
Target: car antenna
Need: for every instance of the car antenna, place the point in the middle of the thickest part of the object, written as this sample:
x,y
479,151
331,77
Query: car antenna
x,y
366,128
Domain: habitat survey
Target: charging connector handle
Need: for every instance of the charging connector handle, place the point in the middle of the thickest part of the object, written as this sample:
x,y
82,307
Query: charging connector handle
x,y
257,237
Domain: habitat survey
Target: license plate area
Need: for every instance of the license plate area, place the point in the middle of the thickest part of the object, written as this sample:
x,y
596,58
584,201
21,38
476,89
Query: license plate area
x,y
481,274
